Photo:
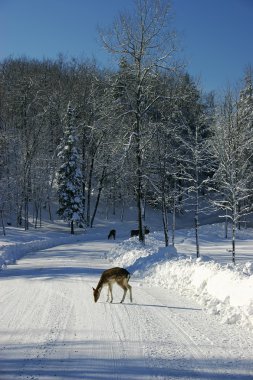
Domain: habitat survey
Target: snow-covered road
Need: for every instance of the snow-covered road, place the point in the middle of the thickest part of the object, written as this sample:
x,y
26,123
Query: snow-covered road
x,y
50,327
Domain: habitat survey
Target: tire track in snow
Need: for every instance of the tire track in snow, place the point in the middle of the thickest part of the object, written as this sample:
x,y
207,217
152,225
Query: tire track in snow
x,y
159,326
214,350
51,326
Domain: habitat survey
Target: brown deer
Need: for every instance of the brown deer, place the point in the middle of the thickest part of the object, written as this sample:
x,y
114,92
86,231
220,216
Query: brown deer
x,y
119,275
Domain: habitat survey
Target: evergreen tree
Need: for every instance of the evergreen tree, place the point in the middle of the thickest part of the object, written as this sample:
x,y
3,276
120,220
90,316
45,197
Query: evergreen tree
x,y
69,175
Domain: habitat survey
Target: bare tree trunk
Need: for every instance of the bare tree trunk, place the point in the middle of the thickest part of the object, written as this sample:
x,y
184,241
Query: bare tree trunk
x,y
89,192
72,227
98,196
233,241
40,215
139,207
144,208
49,210
165,223
139,177
26,209
174,221
226,225
122,211
234,230
107,208
83,168
36,214
2,221
196,219
19,215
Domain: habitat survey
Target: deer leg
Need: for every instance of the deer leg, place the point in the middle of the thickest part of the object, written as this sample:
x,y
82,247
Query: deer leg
x,y
130,291
110,291
124,286
124,295
107,300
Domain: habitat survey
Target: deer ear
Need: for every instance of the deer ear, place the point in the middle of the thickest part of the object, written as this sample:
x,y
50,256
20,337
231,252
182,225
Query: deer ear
x,y
93,288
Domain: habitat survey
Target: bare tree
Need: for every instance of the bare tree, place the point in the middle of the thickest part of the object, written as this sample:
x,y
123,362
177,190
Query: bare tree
x,y
231,147
145,44
193,158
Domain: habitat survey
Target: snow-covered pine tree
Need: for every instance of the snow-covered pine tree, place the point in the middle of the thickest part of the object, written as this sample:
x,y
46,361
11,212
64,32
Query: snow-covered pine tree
x,y
69,175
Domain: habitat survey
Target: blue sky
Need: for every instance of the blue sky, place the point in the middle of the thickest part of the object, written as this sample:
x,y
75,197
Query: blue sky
x,y
215,35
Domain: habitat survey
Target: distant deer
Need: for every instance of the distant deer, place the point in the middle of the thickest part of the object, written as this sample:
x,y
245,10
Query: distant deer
x,y
136,232
119,275
112,234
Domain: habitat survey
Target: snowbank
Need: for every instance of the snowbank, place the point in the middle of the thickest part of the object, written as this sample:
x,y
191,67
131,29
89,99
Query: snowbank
x,y
225,290
12,251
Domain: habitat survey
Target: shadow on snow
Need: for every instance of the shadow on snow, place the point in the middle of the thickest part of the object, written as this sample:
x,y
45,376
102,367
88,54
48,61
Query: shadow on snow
x,y
90,368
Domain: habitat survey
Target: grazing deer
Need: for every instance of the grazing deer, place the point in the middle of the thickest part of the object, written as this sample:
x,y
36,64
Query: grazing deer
x,y
112,234
136,232
119,275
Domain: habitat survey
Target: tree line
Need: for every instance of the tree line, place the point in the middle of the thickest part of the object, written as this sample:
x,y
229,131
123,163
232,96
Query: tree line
x,y
142,131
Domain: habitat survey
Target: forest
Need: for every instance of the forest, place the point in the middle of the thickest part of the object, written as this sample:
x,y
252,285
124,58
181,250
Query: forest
x,y
143,131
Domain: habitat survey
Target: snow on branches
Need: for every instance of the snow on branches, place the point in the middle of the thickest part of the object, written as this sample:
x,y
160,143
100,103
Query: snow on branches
x,y
69,175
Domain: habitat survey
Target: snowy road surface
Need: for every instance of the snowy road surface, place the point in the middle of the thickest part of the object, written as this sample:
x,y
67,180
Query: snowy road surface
x,y
50,328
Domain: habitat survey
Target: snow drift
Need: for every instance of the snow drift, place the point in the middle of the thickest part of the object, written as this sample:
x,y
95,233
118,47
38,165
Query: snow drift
x,y
226,291
11,252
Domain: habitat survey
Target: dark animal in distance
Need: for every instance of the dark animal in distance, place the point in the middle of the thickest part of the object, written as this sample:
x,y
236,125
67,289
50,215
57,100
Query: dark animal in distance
x,y
112,234
136,232
119,275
